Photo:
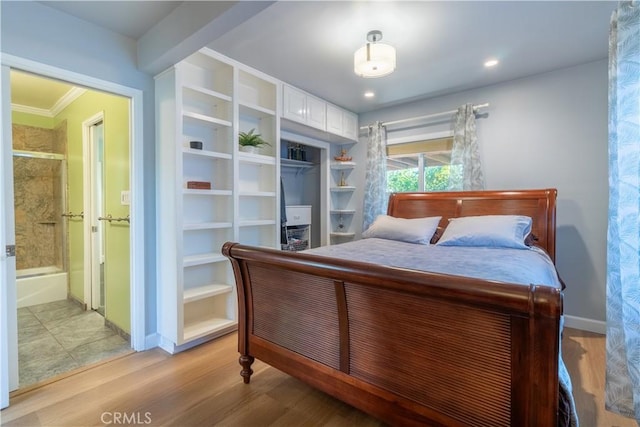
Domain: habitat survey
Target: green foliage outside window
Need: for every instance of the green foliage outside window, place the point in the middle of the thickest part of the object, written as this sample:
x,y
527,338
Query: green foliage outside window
x,y
402,180
436,178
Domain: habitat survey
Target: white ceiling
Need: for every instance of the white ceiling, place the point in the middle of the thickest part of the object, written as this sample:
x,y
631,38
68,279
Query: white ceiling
x,y
129,18
441,45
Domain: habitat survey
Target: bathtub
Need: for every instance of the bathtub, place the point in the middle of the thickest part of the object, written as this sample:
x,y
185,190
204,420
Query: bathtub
x,y
40,285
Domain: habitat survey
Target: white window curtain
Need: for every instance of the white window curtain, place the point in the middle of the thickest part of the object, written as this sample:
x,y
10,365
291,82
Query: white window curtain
x,y
622,390
375,188
465,152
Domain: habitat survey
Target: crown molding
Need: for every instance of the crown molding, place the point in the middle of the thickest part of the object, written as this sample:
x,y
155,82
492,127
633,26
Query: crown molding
x,y
31,110
62,103
67,99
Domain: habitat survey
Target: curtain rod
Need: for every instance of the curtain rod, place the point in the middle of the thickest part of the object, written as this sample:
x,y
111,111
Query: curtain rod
x,y
429,116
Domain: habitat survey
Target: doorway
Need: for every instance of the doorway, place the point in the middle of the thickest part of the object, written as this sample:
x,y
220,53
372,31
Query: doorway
x,y
305,182
80,143
134,258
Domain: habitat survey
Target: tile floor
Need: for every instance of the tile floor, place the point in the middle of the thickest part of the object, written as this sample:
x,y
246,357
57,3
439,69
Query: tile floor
x,y
59,336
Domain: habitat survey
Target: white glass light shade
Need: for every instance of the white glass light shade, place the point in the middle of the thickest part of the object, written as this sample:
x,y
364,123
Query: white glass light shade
x,y
374,60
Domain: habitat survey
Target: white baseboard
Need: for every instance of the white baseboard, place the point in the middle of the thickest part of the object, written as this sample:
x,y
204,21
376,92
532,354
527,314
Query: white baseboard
x,y
596,326
151,341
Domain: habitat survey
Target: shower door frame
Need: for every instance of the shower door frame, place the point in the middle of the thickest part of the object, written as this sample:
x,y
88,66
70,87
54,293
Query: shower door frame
x,y
8,303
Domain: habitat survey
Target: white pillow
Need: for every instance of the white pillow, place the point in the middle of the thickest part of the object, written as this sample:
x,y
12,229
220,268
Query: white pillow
x,y
506,231
412,230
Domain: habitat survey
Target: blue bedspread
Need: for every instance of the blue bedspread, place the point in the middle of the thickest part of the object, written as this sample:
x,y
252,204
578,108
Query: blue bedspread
x,y
519,266
502,264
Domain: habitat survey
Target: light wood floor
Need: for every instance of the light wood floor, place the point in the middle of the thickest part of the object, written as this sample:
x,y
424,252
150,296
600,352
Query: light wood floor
x,y
202,386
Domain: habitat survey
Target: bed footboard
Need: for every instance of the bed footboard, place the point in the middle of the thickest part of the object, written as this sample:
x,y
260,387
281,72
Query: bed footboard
x,y
408,347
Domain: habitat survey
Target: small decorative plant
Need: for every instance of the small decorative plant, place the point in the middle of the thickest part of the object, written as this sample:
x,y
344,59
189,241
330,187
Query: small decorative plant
x,y
251,139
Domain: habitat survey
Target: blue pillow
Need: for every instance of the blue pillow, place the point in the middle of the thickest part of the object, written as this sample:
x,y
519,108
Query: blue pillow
x,y
412,230
503,231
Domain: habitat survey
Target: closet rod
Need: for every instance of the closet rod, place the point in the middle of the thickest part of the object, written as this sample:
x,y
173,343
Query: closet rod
x,y
429,116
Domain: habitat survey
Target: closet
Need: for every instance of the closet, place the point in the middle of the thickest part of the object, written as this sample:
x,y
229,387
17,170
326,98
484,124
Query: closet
x,y
300,172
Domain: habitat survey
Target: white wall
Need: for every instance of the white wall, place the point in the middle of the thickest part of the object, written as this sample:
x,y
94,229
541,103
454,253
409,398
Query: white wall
x,y
548,130
36,32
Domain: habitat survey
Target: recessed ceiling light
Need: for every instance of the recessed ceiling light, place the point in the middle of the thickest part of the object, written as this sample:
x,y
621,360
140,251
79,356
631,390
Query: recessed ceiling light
x,y
491,63
369,94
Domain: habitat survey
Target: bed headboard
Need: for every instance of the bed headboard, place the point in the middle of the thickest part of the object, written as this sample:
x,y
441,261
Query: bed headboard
x,y
540,205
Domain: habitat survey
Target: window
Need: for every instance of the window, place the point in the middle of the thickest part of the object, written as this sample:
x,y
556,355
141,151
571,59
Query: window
x,y
422,166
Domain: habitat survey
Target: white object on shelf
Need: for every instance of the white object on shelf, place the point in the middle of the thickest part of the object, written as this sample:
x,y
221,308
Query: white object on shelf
x,y
298,214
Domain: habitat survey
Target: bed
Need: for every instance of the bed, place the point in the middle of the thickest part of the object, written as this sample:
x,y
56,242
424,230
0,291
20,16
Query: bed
x,y
407,346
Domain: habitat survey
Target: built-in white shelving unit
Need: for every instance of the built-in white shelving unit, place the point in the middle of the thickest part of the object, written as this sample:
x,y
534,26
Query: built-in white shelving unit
x,y
209,191
211,194
342,207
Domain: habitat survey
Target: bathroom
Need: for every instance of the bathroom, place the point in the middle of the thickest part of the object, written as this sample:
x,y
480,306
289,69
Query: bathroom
x,y
70,170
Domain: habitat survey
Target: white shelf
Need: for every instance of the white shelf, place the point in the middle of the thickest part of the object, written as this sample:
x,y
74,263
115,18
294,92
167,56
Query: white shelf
x,y
257,194
196,192
343,189
256,222
206,91
343,165
343,211
207,226
192,260
342,234
205,153
202,292
255,110
256,158
207,120
206,327
299,164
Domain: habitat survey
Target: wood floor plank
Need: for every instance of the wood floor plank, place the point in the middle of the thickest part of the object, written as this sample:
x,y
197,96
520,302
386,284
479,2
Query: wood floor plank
x,y
584,354
202,387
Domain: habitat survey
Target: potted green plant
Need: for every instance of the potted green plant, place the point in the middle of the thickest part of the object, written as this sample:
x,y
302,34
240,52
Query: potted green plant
x,y
251,142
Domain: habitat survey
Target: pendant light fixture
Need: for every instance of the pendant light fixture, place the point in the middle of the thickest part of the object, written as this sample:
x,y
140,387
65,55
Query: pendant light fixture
x,y
374,59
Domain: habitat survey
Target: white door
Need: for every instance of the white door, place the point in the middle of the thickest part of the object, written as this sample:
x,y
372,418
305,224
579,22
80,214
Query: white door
x,y
8,299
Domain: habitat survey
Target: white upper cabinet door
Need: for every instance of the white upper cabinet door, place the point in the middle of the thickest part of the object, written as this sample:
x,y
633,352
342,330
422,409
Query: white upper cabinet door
x,y
350,125
334,119
302,107
316,112
294,104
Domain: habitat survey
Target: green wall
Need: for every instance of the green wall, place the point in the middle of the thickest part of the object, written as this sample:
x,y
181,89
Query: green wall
x,y
26,119
116,143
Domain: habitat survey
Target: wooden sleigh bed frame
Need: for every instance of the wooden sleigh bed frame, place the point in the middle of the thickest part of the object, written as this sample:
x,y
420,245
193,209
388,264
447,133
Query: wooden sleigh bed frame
x,y
410,347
